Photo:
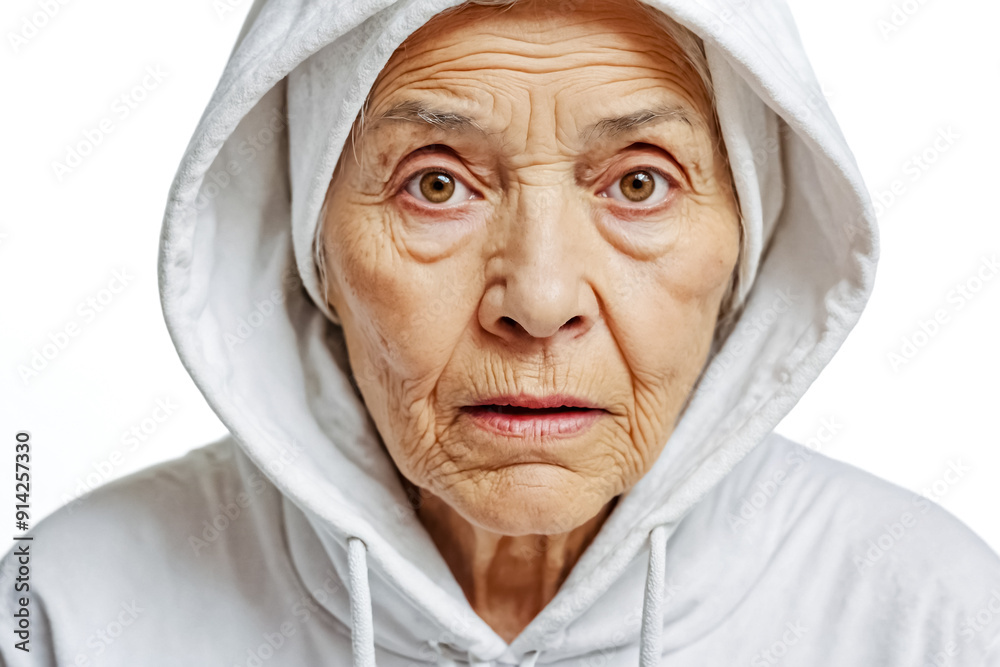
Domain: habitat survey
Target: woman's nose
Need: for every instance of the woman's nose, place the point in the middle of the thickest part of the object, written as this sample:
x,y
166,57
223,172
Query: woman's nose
x,y
540,283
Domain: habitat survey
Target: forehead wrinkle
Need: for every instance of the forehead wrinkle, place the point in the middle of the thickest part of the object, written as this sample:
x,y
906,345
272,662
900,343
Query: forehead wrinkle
x,y
453,73
616,126
448,47
673,83
630,24
525,66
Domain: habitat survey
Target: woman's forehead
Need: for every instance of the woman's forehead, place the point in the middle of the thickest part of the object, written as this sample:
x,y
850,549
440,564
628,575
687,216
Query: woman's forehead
x,y
601,61
429,117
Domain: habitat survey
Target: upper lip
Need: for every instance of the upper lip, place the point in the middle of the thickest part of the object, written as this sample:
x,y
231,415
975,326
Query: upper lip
x,y
536,402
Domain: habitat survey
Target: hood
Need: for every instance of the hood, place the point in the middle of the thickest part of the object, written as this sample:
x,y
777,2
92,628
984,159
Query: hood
x,y
240,297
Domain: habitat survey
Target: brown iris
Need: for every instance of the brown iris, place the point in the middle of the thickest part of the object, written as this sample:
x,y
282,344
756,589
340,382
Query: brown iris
x,y
637,185
437,186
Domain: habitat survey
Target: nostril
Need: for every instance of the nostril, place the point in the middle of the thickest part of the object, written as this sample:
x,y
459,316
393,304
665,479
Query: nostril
x,y
510,322
513,325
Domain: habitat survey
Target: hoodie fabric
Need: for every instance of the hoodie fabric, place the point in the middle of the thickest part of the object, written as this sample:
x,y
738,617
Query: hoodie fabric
x,y
292,542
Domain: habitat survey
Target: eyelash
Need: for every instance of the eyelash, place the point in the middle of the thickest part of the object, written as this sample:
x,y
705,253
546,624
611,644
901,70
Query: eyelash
x,y
672,184
426,170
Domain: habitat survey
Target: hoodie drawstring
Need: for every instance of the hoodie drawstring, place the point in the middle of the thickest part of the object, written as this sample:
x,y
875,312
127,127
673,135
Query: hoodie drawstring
x,y
363,633
362,630
650,650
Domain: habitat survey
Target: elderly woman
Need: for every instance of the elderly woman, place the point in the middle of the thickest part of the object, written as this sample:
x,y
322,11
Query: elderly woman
x,y
501,302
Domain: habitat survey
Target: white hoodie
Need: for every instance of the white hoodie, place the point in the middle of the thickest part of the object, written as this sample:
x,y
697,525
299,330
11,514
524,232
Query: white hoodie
x,y
292,542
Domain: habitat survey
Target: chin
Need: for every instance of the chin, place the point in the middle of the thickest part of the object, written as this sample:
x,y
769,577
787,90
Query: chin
x,y
532,499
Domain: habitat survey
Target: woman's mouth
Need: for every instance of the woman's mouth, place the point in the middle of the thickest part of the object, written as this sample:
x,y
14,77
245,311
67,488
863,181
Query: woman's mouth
x,y
524,416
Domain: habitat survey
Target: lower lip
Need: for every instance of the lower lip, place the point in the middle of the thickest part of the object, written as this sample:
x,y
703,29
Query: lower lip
x,y
527,425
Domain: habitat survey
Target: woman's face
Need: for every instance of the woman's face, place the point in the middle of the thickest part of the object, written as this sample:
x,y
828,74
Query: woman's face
x,y
536,210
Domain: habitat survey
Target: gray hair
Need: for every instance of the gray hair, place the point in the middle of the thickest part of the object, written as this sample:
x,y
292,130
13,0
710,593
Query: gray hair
x,y
692,49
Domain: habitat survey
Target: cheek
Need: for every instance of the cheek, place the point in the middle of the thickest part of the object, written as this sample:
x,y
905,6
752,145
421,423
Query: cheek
x,y
402,321
409,317
700,270
664,320
674,298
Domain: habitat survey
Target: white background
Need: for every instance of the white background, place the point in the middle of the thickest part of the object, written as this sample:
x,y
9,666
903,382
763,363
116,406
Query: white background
x,y
61,239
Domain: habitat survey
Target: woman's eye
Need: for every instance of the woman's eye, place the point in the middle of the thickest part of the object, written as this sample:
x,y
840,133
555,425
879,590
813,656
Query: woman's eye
x,y
641,186
437,187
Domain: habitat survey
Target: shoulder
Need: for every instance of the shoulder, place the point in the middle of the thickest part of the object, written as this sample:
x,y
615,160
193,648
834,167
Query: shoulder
x,y
184,507
161,551
162,506
872,519
880,554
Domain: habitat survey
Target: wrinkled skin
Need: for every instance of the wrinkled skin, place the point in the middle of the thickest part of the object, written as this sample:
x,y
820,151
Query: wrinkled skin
x,y
537,275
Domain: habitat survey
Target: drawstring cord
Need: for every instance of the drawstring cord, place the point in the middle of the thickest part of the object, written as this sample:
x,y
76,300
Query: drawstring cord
x,y
362,630
363,634
650,650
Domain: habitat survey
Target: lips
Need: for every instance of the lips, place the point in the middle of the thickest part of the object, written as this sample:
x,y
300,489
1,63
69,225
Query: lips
x,y
556,415
526,402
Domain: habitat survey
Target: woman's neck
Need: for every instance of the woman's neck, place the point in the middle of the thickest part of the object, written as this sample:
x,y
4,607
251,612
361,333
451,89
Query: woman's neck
x,y
506,579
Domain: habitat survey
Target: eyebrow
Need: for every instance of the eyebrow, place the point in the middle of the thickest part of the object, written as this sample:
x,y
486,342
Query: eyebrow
x,y
414,111
618,125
